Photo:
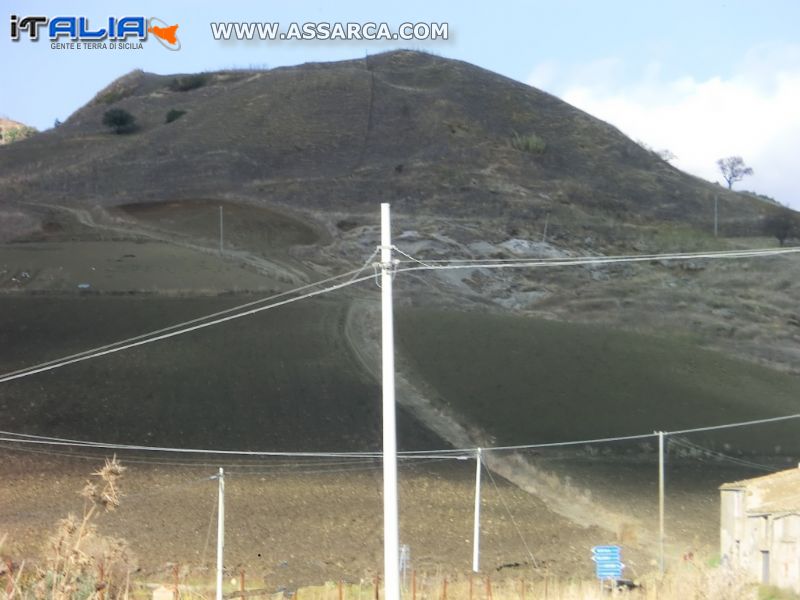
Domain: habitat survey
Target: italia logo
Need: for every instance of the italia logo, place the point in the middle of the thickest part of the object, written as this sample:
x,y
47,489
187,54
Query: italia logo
x,y
113,32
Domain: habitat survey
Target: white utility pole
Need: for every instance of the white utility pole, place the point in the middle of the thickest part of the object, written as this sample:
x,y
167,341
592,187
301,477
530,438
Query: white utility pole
x,y
391,535
661,501
476,528
220,531
716,215
220,231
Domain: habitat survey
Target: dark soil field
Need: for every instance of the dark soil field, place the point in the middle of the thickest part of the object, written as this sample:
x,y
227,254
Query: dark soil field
x,y
123,266
301,524
279,380
244,226
534,381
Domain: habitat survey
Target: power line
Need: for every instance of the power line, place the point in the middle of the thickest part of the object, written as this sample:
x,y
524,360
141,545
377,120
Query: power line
x,y
591,260
595,257
740,424
107,446
682,443
513,521
590,257
449,453
196,464
375,466
24,438
195,324
352,273
94,354
621,438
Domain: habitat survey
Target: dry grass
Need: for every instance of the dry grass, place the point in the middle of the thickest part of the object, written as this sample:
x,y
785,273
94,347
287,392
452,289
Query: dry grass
x,y
78,561
690,581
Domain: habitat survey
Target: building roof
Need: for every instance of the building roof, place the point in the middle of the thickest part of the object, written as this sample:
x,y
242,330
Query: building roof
x,y
774,493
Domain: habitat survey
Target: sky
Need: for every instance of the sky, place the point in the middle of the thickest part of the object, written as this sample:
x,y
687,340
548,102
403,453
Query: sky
x,y
702,79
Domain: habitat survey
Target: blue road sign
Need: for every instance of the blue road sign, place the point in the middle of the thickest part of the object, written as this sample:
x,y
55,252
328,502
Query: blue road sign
x,y
605,550
609,566
608,563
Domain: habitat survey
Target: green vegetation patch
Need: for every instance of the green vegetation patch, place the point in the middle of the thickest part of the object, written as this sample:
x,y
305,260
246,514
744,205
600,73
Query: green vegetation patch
x,y
531,143
771,592
120,121
174,115
9,135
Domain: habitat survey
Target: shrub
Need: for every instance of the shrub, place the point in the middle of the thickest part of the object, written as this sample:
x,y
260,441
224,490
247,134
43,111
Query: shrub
x,y
186,83
112,96
174,114
79,561
114,93
120,120
528,143
782,224
15,134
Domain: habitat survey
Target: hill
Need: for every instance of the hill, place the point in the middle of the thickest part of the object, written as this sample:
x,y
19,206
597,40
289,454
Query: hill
x,y
428,134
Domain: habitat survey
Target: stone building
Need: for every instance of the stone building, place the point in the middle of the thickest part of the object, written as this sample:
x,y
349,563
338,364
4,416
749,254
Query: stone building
x,y
760,528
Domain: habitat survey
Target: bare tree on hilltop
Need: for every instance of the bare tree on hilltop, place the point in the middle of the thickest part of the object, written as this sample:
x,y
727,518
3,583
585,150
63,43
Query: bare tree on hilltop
x,y
733,169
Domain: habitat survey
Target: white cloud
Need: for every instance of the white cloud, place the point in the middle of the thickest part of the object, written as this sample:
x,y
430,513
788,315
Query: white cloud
x,y
753,113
